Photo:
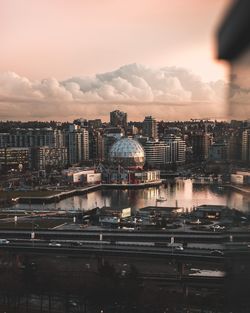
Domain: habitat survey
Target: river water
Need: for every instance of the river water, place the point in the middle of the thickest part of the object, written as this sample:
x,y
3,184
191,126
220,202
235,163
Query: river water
x,y
181,193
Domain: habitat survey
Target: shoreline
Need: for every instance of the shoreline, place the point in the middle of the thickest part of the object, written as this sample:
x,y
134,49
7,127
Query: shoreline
x,y
79,191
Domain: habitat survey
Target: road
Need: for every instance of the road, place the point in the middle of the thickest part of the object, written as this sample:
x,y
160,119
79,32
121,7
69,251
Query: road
x,y
105,248
197,245
109,234
192,237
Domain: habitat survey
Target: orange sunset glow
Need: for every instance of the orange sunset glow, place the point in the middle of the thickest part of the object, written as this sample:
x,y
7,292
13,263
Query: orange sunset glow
x,y
63,59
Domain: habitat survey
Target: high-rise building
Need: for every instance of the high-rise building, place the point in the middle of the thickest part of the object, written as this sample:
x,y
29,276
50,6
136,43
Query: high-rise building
x,y
200,143
246,145
131,130
85,144
108,143
149,127
32,137
156,152
74,147
111,135
218,151
171,150
118,118
116,132
96,146
177,149
4,140
78,144
14,159
47,158
97,123
235,146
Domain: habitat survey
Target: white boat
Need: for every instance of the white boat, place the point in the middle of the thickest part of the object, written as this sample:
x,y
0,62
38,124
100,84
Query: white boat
x,y
161,199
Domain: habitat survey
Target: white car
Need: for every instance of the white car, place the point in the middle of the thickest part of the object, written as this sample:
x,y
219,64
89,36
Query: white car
x,y
55,244
217,227
4,242
179,248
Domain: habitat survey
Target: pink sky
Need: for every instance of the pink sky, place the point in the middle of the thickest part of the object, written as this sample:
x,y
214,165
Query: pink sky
x,y
64,38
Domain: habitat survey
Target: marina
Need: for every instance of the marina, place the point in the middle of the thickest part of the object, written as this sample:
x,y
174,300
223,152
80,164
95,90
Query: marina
x,y
178,193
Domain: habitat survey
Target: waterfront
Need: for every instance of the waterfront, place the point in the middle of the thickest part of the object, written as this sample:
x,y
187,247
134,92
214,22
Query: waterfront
x,y
181,193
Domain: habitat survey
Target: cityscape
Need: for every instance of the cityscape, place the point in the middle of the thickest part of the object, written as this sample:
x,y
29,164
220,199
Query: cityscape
x,y
124,156
100,191
41,145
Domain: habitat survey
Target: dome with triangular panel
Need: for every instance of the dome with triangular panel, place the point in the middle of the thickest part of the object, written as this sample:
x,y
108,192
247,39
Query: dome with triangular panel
x,y
127,152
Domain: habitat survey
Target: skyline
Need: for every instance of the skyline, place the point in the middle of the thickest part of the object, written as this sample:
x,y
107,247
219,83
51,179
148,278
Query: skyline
x,y
111,55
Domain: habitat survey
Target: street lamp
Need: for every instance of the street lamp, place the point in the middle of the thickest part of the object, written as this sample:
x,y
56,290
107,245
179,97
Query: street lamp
x,y
15,220
172,243
32,233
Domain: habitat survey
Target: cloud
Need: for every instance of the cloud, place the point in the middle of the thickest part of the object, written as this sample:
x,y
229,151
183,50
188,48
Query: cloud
x,y
136,88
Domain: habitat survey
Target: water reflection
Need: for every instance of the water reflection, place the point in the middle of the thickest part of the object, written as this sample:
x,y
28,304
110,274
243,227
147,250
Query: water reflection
x,y
180,193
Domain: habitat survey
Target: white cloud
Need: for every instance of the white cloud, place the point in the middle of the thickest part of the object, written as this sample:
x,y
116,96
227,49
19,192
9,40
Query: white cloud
x,y
132,86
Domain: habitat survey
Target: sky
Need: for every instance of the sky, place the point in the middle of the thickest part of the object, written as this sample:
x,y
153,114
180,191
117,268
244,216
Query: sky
x,y
64,59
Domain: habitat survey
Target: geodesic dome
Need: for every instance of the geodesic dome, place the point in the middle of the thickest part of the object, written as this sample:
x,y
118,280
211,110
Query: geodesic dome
x,y
127,152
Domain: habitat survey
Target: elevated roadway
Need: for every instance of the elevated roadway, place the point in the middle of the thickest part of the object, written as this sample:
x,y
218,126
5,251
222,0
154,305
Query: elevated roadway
x,y
160,236
104,249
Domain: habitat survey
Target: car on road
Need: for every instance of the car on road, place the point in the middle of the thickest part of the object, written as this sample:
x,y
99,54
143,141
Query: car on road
x,y
217,227
178,248
175,246
217,253
55,244
76,243
4,242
